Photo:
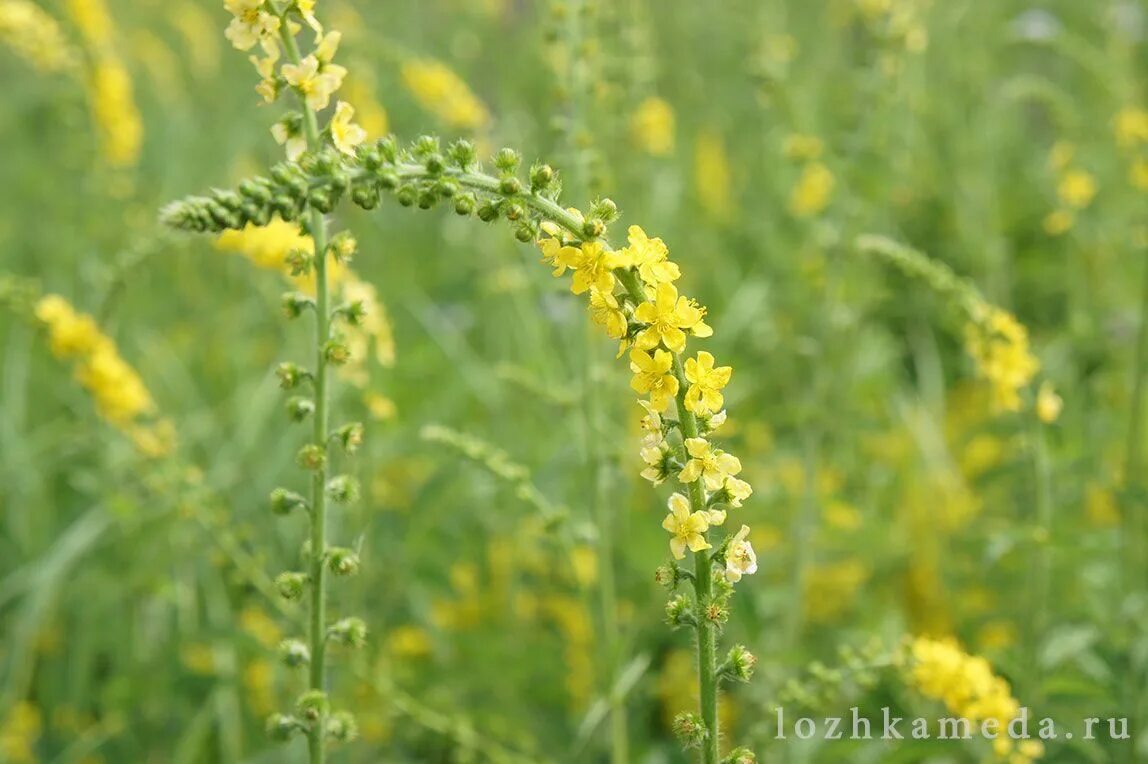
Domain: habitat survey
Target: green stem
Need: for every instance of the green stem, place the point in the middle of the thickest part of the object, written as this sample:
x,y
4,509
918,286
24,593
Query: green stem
x,y
318,628
1136,529
703,590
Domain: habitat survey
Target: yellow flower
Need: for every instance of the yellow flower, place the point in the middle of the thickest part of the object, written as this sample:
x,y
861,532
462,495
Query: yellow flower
x,y
712,465
593,267
1131,127
268,86
652,126
35,36
1077,188
251,24
1061,155
655,458
688,529
998,344
313,81
345,134
19,732
652,375
291,137
650,257
306,9
740,559
441,92
713,178
1048,403
1058,222
737,490
803,147
115,112
607,312
1138,174
651,425
813,191
704,395
669,317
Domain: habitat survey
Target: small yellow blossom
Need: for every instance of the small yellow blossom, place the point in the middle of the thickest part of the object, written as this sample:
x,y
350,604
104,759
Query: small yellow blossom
x,y
669,317
706,382
1076,188
998,343
740,559
252,24
268,86
651,424
1138,174
314,81
688,528
813,191
607,312
1131,127
712,465
1058,222
652,126
650,257
1061,155
737,490
655,458
444,94
653,375
592,264
1048,403
713,177
20,730
291,137
345,134
35,36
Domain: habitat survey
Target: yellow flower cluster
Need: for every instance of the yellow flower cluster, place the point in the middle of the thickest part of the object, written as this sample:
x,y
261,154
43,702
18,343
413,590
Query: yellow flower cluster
x,y
20,729
110,86
966,684
652,127
35,36
1131,128
444,94
998,344
813,191
651,319
314,77
1075,189
713,177
119,393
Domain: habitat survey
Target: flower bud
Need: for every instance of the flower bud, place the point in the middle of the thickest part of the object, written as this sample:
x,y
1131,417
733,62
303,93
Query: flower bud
x,y
350,436
446,188
299,262
387,149
678,611
342,561
290,585
366,196
592,228
289,375
541,176
510,186
311,457
341,727
281,727
294,303
336,352
284,502
343,246
348,631
690,730
407,194
343,489
294,653
462,154
507,160
312,706
321,200
427,197
739,664
464,204
514,212
488,211
716,613
352,312
525,233
740,756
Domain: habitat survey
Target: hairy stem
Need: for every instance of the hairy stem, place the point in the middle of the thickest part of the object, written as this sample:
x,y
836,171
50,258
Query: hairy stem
x,y
318,625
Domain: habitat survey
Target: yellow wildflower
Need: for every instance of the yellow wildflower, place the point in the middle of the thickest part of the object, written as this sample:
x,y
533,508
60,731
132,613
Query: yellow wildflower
x,y
251,25
712,465
813,191
652,126
345,134
713,178
1048,403
650,257
704,394
1061,155
444,94
670,317
740,559
607,312
653,375
1138,174
19,731
655,458
593,267
998,344
688,528
268,86
35,36
1077,188
1058,222
1131,126
314,81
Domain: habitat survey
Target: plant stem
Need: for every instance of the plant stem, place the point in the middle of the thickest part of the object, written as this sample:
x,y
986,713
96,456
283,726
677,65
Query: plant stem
x,y
1136,529
318,630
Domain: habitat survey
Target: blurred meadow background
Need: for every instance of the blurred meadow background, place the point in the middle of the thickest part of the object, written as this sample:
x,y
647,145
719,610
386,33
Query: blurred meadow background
x,y
896,494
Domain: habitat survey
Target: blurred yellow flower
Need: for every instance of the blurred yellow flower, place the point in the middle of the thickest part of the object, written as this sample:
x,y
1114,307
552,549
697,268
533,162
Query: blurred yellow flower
x,y
998,343
36,36
713,177
1131,127
19,731
803,147
1058,222
652,126
1048,403
444,94
813,192
1077,188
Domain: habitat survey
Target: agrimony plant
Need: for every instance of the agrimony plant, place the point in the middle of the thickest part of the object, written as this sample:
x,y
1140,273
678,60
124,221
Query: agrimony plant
x,y
631,294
